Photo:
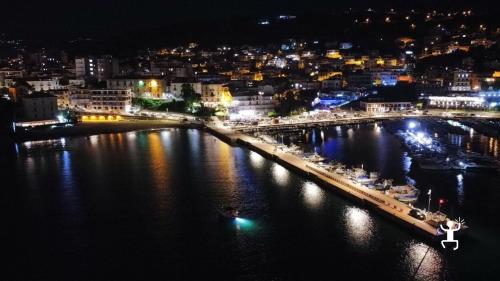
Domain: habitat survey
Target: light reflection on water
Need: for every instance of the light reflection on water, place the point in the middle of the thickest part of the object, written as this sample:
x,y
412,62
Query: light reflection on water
x,y
359,226
423,262
280,174
460,189
256,159
313,194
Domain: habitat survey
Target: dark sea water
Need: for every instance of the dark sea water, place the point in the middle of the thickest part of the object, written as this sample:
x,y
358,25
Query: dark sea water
x,y
142,205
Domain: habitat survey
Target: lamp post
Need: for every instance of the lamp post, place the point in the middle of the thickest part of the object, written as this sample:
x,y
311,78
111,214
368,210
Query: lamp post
x,y
429,203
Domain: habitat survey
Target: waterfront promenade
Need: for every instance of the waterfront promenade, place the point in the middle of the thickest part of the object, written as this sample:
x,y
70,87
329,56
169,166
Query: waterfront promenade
x,y
380,202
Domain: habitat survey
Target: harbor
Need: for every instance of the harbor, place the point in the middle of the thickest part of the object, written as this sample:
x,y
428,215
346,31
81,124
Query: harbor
x,y
392,201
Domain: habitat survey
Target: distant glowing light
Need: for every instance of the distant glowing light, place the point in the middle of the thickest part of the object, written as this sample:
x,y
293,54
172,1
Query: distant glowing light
x,y
412,125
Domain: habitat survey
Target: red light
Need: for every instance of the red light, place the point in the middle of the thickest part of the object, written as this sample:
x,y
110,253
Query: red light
x,y
441,201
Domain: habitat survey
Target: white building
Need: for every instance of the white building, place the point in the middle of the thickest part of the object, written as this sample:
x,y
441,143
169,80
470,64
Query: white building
x,y
80,99
457,102
250,104
39,85
382,107
102,100
111,100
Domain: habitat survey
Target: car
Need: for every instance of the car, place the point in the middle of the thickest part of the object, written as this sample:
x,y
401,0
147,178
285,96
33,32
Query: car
x,y
417,214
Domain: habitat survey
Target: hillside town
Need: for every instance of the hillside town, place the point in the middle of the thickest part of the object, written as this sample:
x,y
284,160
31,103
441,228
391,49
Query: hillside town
x,y
452,62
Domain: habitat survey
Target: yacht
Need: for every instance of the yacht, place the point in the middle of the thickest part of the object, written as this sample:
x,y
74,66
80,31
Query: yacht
x,y
403,193
315,157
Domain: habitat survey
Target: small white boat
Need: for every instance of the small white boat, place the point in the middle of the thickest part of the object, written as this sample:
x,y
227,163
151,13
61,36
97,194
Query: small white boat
x,y
403,193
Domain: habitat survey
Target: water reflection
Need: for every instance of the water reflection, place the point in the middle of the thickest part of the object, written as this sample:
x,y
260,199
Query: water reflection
x,y
359,226
313,194
280,174
159,167
460,189
256,159
69,193
95,139
423,262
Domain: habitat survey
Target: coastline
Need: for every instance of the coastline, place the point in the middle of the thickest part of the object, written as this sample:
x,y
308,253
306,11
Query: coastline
x,y
94,128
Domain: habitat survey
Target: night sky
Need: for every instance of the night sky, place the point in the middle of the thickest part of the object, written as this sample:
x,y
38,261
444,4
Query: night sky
x,y
37,18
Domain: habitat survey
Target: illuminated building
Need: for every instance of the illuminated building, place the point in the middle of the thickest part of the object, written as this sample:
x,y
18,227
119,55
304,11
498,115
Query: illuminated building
x,y
249,103
111,100
141,87
457,102
100,68
328,75
335,98
44,84
461,81
333,54
102,100
382,107
214,94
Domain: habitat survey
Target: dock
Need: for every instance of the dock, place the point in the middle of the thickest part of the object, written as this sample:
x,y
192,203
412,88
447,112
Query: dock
x,y
385,205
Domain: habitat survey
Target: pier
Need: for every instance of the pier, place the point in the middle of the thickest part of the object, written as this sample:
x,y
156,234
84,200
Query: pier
x,y
385,205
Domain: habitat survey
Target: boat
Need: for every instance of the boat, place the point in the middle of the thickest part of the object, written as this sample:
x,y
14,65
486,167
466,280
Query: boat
x,y
384,185
403,193
268,139
315,157
434,163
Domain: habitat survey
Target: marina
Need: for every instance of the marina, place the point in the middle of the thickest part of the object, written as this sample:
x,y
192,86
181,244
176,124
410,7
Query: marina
x,y
393,201
432,153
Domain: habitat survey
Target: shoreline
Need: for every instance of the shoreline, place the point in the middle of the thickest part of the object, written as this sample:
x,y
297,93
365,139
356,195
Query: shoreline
x,y
97,128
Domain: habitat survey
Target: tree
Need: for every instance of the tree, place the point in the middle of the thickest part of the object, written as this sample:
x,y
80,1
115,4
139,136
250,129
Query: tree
x,y
189,95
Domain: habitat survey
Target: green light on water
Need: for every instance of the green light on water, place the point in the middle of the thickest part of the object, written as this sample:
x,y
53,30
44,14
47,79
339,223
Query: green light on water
x,y
243,224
